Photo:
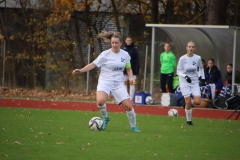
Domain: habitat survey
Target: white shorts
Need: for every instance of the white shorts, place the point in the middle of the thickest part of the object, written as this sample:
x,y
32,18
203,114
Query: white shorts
x,y
126,78
117,89
190,88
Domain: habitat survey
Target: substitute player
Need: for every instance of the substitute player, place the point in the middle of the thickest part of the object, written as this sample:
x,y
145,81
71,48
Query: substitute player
x,y
111,78
189,69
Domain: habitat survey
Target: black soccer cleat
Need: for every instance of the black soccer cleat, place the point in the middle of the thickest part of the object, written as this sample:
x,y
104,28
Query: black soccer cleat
x,y
189,123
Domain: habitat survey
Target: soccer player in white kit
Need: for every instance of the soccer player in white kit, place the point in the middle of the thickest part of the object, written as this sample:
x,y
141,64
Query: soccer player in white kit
x,y
189,69
111,78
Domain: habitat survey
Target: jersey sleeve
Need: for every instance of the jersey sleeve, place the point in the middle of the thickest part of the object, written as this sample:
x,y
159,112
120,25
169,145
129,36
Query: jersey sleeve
x,y
174,61
180,68
100,60
160,58
128,58
201,70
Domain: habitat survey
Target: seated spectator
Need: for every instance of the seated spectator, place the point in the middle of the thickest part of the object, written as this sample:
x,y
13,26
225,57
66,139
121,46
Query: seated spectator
x,y
204,64
213,77
228,75
202,81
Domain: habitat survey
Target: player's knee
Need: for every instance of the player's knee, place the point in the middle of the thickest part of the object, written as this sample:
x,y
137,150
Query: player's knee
x,y
197,102
100,102
127,107
188,101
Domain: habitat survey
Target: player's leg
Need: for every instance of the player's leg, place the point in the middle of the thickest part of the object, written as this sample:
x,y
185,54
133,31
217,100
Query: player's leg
x,y
196,94
188,109
170,82
122,97
163,80
132,89
126,81
102,94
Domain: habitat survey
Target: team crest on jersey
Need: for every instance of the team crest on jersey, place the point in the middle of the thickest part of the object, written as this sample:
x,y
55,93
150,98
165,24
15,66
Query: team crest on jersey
x,y
122,59
194,63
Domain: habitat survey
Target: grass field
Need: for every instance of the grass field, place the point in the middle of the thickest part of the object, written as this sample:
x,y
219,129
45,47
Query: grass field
x,y
63,134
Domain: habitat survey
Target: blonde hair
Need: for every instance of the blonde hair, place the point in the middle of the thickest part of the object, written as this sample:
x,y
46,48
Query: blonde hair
x,y
190,42
107,35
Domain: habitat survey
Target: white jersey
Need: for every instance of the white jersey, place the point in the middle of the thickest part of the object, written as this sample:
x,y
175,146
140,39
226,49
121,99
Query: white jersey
x,y
112,65
191,67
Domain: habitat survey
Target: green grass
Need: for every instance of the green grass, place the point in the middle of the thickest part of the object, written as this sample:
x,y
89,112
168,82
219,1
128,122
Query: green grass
x,y
57,134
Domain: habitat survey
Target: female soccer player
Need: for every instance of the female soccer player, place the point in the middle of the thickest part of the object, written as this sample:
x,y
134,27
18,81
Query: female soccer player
x,y
111,78
188,69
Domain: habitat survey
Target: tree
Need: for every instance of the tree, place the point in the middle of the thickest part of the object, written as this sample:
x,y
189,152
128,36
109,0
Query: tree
x,y
217,12
154,11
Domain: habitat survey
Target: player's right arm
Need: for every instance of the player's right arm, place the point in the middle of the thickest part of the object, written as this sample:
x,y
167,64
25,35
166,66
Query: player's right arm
x,y
180,68
88,67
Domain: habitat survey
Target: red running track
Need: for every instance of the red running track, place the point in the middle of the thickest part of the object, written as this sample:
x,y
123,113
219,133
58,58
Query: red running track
x,y
139,109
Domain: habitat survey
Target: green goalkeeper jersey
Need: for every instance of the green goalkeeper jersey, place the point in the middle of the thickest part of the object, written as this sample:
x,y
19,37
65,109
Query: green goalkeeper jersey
x,y
168,62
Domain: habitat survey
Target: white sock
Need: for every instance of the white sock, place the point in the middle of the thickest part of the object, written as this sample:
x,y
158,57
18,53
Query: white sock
x,y
131,117
103,110
132,91
189,114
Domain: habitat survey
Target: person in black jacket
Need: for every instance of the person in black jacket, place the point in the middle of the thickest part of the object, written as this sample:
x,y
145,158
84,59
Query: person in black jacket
x,y
133,52
204,64
213,77
228,75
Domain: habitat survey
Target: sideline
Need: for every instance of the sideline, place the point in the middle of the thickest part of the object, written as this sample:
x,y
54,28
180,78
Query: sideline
x,y
91,106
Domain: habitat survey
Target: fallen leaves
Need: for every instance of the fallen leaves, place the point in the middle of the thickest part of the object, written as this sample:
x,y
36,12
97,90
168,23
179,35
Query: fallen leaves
x,y
53,94
158,136
16,142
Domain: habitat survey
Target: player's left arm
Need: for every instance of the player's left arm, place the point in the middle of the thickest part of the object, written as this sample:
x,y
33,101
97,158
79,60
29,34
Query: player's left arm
x,y
130,73
201,70
174,62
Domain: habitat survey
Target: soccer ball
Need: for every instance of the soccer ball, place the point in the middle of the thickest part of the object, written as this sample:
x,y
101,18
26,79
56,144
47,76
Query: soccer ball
x,y
149,100
96,124
173,112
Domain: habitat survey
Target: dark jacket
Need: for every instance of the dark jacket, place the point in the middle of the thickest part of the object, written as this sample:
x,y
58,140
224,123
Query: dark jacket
x,y
228,77
133,52
214,76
